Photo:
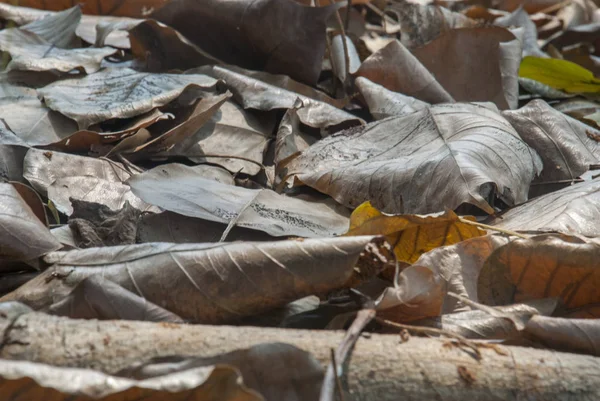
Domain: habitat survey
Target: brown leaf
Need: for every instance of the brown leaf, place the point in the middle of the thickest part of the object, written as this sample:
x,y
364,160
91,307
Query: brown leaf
x,y
195,281
137,8
424,162
98,298
11,168
178,189
280,37
263,91
118,93
548,265
388,68
520,19
572,210
383,103
24,236
291,139
475,64
561,141
33,200
570,335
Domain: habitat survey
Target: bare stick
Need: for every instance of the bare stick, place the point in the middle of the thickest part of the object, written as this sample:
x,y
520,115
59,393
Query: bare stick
x,y
492,228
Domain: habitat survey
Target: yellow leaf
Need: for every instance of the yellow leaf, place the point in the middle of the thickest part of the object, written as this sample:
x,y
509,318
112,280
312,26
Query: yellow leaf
x,y
559,74
412,235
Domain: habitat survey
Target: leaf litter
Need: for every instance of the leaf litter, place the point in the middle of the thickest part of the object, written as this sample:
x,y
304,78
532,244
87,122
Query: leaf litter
x,y
385,167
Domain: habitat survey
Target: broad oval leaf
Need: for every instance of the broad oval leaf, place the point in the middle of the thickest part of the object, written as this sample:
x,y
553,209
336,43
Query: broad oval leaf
x,y
560,74
425,162
205,283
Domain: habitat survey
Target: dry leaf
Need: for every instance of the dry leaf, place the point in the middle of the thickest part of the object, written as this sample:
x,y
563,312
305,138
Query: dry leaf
x,y
519,18
263,91
383,103
397,69
475,64
424,162
280,37
185,193
570,335
412,235
136,8
561,141
23,235
572,210
205,283
117,93
547,265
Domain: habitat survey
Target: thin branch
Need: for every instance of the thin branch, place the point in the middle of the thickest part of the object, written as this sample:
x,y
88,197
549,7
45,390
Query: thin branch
x,y
338,382
491,228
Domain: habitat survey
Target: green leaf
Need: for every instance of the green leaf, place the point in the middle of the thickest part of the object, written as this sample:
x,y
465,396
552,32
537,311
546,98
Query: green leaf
x,y
560,74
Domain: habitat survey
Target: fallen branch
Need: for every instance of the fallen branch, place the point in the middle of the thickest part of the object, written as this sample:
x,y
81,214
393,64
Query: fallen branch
x,y
382,366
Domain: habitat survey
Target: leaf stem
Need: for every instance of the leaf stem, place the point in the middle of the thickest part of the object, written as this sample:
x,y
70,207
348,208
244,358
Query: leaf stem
x,y
491,228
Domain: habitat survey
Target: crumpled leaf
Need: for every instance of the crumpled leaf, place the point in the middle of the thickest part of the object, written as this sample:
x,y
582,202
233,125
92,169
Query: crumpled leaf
x,y
22,235
262,209
231,131
423,287
547,265
560,74
475,64
383,103
277,36
425,162
421,24
43,45
104,7
263,91
566,146
40,381
205,283
118,93
520,18
397,69
99,298
33,200
571,335
96,225
572,210
291,139
11,162
412,235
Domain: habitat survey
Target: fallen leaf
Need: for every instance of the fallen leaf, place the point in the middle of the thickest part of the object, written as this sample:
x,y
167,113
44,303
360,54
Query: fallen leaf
x,y
338,57
475,64
105,7
519,18
59,383
561,141
383,103
263,91
572,210
291,139
425,162
99,298
280,37
24,236
421,24
33,200
560,74
388,68
117,93
547,265
58,29
11,162
262,209
570,335
412,235
195,281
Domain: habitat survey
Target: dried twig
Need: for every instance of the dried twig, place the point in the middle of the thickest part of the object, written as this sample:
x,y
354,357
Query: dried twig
x,y
492,228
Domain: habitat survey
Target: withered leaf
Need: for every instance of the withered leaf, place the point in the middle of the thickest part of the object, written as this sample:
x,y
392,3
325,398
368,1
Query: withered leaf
x,y
547,265
23,235
196,281
424,162
264,91
118,93
383,103
572,210
104,7
99,298
563,143
280,37
571,335
259,209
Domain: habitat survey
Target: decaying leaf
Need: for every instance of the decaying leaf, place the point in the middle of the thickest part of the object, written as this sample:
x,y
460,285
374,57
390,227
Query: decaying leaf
x,y
424,162
118,93
571,335
22,235
291,139
520,18
547,265
572,210
263,91
397,69
475,64
412,235
563,143
385,103
261,209
281,37
197,281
